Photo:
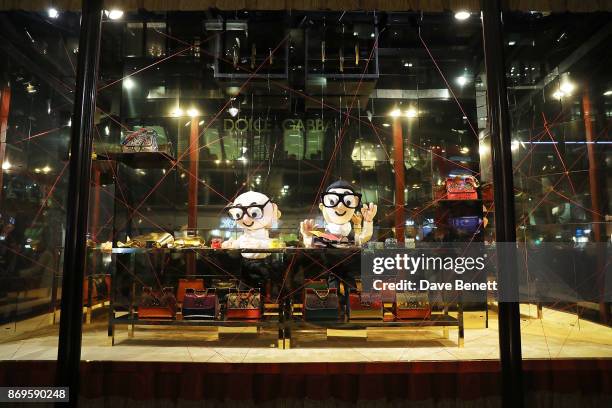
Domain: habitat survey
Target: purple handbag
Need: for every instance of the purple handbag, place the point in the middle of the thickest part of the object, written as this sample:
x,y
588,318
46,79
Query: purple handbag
x,y
200,304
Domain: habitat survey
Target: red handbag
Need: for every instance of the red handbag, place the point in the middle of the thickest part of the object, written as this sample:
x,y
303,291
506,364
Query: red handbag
x,y
188,283
157,306
461,188
365,306
243,305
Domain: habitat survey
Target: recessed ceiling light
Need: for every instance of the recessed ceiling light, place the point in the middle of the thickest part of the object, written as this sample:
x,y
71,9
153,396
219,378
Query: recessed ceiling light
x,y
193,112
608,93
386,124
411,113
52,12
115,14
462,15
395,113
511,43
128,83
462,80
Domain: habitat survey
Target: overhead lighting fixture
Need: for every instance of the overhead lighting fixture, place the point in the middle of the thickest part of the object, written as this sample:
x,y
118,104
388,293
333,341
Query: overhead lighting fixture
x,y
233,111
386,124
193,112
567,87
372,35
6,165
106,130
128,83
30,88
411,113
608,93
46,169
52,13
462,80
395,113
558,95
511,43
462,15
177,112
114,14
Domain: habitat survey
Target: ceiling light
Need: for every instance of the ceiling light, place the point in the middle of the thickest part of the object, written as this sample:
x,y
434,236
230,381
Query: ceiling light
x,y
372,35
30,88
46,169
6,165
355,33
386,124
566,87
233,111
114,14
52,12
128,83
511,43
608,93
177,112
106,130
193,112
557,95
462,15
395,113
411,113
462,80
406,64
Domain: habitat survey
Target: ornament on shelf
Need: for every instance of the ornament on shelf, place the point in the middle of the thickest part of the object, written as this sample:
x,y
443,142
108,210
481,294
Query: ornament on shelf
x,y
338,205
255,214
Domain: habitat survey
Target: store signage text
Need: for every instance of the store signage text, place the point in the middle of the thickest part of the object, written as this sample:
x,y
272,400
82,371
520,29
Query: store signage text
x,y
266,125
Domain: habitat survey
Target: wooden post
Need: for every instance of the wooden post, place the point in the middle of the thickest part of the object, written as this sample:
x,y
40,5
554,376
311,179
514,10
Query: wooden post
x,y
192,198
5,101
400,185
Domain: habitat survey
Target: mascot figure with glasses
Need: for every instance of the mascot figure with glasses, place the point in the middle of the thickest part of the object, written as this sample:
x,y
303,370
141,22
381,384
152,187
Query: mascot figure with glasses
x,y
339,204
255,213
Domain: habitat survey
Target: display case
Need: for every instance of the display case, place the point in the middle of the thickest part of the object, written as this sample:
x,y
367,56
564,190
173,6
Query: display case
x,y
293,293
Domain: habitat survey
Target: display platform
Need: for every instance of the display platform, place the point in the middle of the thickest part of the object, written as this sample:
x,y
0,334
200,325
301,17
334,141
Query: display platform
x,y
565,383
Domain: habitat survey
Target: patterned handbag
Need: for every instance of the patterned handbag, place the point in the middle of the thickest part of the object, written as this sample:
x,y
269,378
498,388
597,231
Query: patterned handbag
x,y
157,306
188,283
412,305
141,140
365,306
321,304
200,304
462,188
244,305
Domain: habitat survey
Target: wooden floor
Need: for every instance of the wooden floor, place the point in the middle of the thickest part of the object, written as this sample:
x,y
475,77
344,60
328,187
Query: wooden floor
x,y
557,335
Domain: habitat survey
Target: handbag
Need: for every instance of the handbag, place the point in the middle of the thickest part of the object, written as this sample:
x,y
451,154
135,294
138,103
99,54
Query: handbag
x,y
200,304
141,140
461,188
157,306
244,305
188,283
468,224
412,305
365,306
321,304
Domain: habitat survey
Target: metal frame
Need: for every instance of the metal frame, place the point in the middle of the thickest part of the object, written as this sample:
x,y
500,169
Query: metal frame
x,y
80,169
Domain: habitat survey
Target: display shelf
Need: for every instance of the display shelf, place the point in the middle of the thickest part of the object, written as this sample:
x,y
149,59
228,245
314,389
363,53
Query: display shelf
x,y
143,160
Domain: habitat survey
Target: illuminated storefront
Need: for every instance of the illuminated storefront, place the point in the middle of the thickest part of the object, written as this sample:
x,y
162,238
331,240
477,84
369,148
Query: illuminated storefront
x,y
247,164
